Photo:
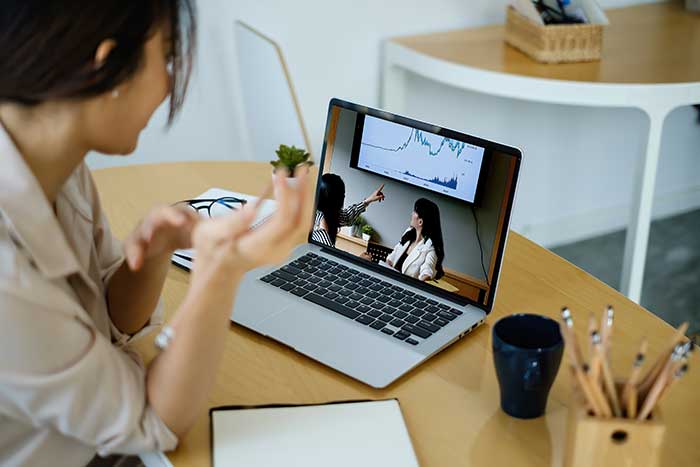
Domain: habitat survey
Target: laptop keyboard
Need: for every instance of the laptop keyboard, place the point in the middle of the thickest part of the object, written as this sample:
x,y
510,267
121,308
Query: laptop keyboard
x,y
407,316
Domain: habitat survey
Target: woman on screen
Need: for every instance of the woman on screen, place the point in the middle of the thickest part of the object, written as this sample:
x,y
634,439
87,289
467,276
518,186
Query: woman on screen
x,y
420,252
330,214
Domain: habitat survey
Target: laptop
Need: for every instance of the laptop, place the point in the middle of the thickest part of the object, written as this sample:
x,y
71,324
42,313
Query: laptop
x,y
437,203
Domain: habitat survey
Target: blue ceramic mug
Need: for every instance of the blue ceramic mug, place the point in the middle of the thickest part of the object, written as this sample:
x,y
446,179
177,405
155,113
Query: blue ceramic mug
x,y
527,351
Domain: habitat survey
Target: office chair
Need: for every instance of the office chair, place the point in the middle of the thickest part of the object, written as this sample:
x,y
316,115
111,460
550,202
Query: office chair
x,y
377,252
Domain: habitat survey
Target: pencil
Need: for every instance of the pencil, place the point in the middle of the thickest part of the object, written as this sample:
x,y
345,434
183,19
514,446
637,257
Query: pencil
x,y
678,374
598,396
606,323
655,371
631,384
592,328
678,357
594,341
652,396
632,402
575,383
594,375
573,341
609,382
586,390
571,348
606,333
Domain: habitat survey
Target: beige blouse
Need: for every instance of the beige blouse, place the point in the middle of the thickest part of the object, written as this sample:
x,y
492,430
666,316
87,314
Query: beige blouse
x,y
69,386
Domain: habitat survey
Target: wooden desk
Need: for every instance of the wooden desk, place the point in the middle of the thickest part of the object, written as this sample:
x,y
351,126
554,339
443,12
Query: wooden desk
x,y
650,61
450,403
351,244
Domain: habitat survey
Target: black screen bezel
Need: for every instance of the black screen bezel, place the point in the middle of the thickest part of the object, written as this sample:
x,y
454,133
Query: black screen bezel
x,y
490,146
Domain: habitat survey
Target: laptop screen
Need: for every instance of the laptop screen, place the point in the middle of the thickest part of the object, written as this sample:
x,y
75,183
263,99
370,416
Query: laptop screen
x,y
424,204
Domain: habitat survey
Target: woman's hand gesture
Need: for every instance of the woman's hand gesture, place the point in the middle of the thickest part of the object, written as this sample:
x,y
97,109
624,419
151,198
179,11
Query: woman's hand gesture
x,y
377,195
228,245
163,230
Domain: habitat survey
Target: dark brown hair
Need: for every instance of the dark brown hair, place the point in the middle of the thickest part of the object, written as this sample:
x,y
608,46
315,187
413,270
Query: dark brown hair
x,y
432,229
330,202
47,47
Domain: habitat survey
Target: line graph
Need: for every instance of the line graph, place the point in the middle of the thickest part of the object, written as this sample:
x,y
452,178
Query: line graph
x,y
419,137
421,158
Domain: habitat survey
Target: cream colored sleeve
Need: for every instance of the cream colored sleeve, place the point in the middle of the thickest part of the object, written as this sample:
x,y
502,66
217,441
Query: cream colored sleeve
x,y
58,372
110,257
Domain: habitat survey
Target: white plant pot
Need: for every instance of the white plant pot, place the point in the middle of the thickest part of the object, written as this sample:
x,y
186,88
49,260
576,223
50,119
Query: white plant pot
x,y
366,237
291,183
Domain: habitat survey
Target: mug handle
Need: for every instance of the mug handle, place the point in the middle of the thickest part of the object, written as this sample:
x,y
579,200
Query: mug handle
x,y
533,374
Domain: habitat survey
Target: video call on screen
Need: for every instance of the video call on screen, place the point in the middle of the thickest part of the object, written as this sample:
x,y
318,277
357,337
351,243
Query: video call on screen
x,y
433,207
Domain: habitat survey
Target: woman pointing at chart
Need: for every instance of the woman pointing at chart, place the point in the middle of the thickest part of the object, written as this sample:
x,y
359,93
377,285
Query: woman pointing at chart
x,y
79,76
330,213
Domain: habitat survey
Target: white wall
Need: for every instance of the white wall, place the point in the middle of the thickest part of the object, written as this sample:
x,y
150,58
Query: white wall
x,y
334,50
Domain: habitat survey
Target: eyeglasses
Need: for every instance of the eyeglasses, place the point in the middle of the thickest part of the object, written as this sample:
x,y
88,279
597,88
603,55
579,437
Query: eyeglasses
x,y
215,207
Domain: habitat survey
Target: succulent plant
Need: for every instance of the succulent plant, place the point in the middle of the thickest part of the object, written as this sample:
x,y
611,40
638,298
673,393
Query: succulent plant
x,y
359,222
291,158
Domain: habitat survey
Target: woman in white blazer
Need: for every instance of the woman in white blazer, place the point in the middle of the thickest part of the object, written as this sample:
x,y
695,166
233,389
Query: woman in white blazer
x,y
420,252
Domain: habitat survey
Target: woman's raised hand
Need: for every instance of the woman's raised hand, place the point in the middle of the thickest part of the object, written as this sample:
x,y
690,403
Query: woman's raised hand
x,y
377,195
228,245
163,230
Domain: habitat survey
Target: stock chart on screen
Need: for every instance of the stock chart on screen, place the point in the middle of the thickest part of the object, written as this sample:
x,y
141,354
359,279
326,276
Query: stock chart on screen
x,y
420,158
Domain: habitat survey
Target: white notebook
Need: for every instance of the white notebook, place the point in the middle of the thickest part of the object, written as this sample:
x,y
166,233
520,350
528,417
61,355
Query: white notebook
x,y
343,434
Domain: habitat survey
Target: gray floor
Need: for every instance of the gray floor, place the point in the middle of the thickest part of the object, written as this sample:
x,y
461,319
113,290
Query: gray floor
x,y
672,275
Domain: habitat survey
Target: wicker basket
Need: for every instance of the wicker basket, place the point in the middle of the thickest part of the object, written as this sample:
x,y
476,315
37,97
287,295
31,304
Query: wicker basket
x,y
556,43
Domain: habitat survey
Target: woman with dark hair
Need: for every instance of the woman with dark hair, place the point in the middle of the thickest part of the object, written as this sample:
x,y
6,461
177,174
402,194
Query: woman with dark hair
x,y
330,214
77,76
420,252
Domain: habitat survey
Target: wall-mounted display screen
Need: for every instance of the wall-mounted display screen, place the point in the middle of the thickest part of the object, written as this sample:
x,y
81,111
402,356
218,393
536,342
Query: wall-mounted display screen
x,y
418,157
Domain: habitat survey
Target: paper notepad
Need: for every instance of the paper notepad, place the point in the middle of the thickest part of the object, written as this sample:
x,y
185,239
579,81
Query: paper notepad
x,y
184,258
345,434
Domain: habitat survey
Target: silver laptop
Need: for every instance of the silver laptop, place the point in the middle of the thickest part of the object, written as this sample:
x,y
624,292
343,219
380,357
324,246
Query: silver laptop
x,y
434,206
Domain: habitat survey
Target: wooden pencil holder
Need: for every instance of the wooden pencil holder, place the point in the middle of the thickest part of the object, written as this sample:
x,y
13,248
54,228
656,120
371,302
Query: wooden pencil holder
x,y
613,442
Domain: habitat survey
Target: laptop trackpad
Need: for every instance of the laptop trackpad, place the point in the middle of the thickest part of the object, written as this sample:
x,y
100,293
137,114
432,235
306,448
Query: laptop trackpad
x,y
354,349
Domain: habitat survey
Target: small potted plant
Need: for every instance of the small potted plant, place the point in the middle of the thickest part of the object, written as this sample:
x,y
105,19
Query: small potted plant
x,y
358,223
367,232
290,158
